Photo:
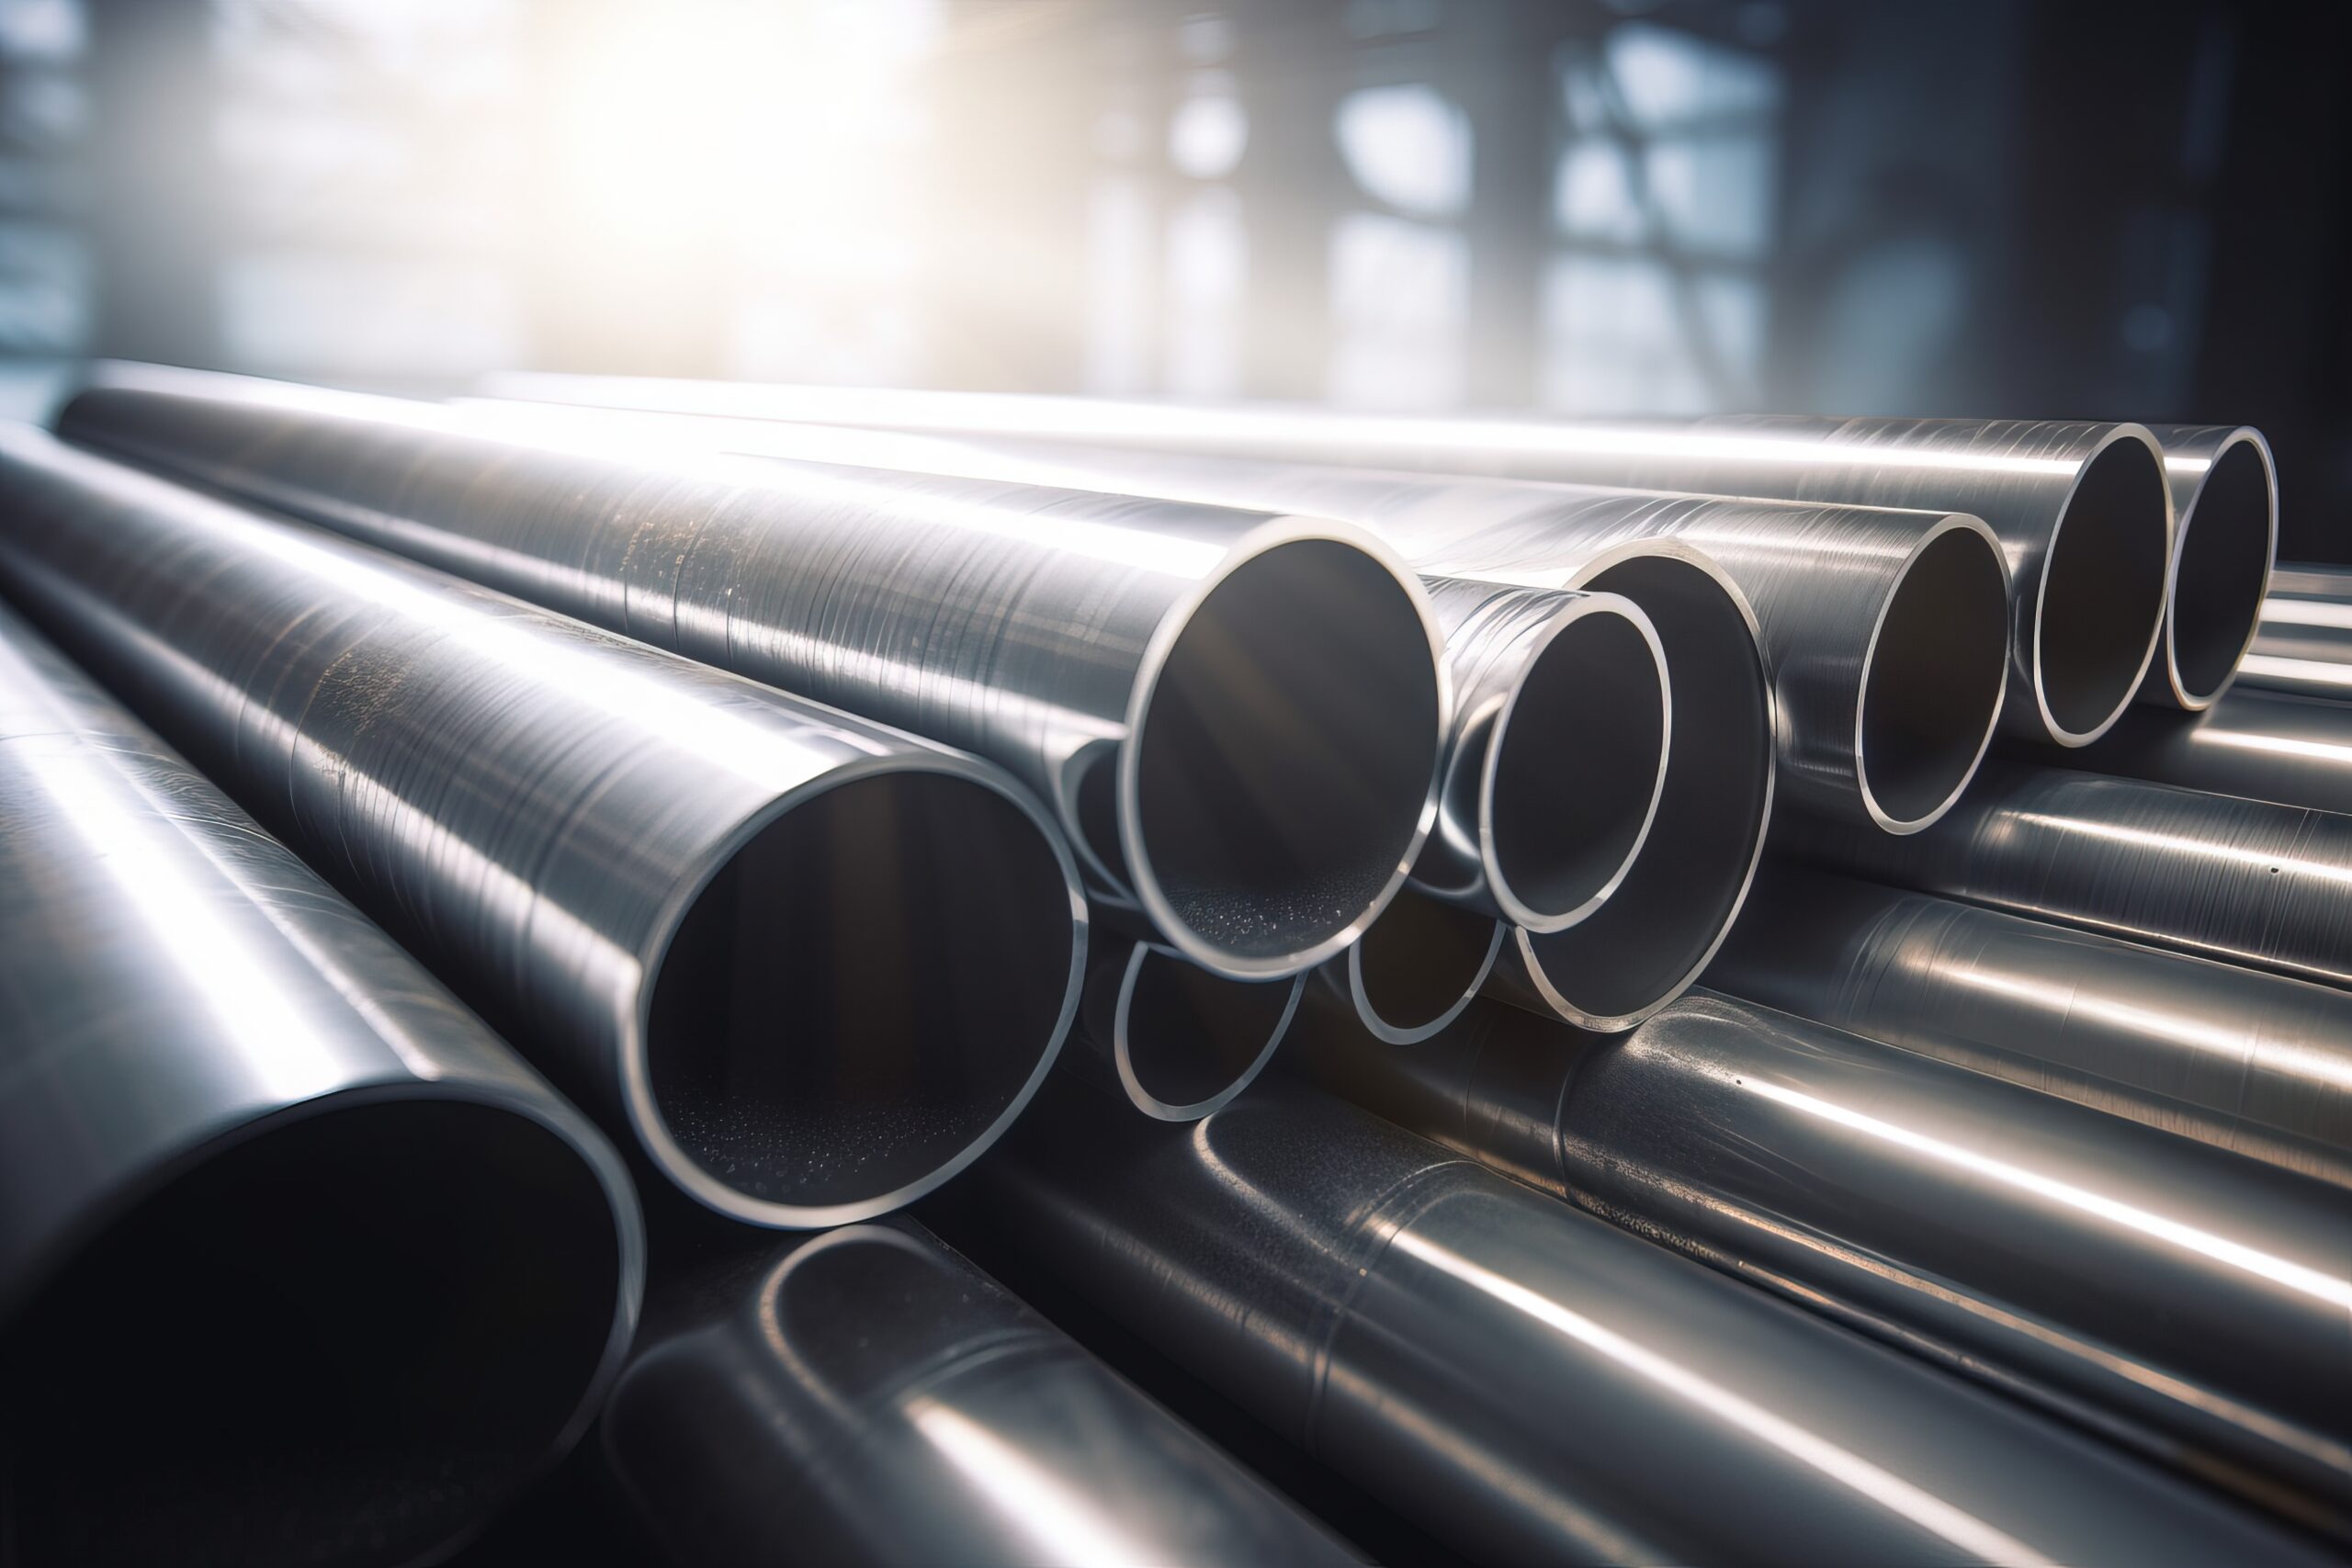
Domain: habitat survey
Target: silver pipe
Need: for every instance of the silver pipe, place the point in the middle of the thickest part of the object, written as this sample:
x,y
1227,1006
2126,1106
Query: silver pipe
x,y
1236,716
2261,745
2183,1298
1178,1041
2225,507
2083,511
814,967
869,1396
294,1252
1416,970
1886,631
2244,881
1532,1385
2304,642
2255,1063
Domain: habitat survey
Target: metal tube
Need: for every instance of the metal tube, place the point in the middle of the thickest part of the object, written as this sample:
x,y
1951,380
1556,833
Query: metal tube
x,y
2225,506
2183,1298
1415,971
2244,881
2262,745
2258,1064
869,1396
1532,1384
1236,716
2303,644
814,966
2083,511
299,1262
1177,1040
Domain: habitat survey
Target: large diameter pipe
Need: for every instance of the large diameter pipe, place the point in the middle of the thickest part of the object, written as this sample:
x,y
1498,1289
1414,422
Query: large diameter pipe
x,y
1530,1384
2225,509
1237,715
2244,881
2193,1302
2304,642
2255,1063
298,1263
2261,745
1417,970
869,1396
1886,630
1179,1042
813,966
2083,511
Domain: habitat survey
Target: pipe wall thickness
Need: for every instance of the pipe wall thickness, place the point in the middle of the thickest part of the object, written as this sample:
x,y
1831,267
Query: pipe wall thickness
x,y
1179,1042
2225,541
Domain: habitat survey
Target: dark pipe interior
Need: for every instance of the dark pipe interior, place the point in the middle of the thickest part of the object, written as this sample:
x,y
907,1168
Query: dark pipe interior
x,y
2103,588
2225,557
1936,677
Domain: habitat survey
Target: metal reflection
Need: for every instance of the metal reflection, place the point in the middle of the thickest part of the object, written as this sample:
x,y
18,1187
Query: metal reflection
x,y
2225,507
1179,1042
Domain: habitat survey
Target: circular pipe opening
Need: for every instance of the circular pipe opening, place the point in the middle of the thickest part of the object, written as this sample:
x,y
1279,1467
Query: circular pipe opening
x,y
1187,1041
1419,965
2099,608
861,999
1646,944
2229,535
1931,682
347,1336
1282,769
1576,767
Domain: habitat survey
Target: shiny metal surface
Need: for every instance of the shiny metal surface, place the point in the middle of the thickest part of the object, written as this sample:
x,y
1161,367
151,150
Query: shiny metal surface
x,y
1886,631
2225,511
2244,881
2255,1063
1178,1041
2262,745
813,964
2191,1301
1237,715
869,1396
1415,971
1532,1384
2304,642
2083,511
298,1263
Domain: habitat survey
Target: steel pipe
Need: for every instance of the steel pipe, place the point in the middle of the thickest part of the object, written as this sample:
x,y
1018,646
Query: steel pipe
x,y
2304,642
298,1263
1415,971
2261,745
2184,1299
2225,506
1178,1041
1236,716
2244,881
2255,1063
2083,511
1532,1384
813,966
869,1396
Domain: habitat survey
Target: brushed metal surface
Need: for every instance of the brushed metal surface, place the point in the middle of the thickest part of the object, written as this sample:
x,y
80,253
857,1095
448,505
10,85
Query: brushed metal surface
x,y
1530,1384
2225,540
2262,745
812,964
299,1262
869,1396
2193,1302
2303,644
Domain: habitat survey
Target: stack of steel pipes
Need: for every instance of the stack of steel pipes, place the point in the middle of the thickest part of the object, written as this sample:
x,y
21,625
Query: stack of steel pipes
x,y
787,773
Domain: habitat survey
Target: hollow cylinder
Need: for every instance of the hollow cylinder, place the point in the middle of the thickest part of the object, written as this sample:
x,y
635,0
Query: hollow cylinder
x,y
2006,1233
813,966
1237,715
298,1263
2225,539
2303,644
1178,1041
2257,1064
2083,511
869,1396
2244,881
1530,1384
2259,744
1416,970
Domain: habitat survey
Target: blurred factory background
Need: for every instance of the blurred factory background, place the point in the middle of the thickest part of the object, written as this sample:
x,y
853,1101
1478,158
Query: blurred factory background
x,y
1644,206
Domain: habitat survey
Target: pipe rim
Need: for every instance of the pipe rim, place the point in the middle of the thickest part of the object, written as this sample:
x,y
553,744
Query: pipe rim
x,y
1122,1048
643,1109
2195,695
2101,460
1945,793
1144,879
1388,1034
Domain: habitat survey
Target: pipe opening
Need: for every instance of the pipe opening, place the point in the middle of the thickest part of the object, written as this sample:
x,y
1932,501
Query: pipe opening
x,y
2226,543
1419,966
1285,759
1189,1040
1932,687
1577,767
1647,943
854,1007
344,1339
2102,597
